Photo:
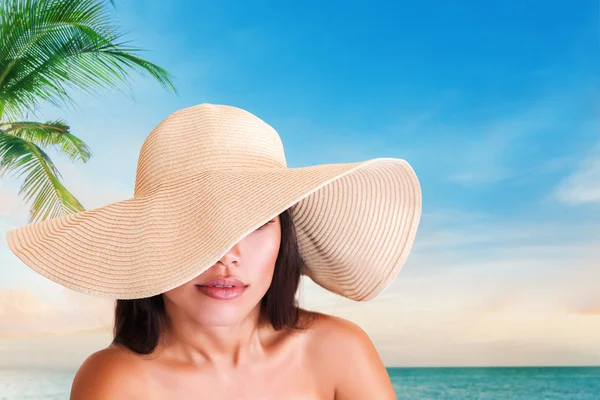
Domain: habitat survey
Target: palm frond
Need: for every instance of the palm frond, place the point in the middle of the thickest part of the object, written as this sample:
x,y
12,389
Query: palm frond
x,y
50,134
50,198
47,46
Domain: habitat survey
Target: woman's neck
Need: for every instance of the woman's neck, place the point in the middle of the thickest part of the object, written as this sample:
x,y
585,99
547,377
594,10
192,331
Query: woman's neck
x,y
229,346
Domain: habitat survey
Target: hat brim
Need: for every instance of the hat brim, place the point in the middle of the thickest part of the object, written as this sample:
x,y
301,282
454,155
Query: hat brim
x,y
356,223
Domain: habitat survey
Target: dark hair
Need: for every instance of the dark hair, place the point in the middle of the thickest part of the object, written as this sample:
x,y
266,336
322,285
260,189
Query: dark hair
x,y
139,322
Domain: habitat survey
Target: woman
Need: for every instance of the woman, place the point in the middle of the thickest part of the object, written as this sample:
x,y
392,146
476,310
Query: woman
x,y
206,258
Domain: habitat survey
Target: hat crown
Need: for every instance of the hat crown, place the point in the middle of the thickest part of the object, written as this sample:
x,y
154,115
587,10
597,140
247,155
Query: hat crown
x,y
206,136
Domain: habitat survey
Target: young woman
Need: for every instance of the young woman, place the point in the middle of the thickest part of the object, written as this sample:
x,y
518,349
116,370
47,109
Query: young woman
x,y
205,261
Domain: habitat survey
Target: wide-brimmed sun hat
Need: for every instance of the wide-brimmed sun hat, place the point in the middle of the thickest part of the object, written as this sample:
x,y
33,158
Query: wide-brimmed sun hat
x,y
206,177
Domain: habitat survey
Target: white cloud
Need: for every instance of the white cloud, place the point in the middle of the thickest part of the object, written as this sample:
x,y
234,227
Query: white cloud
x,y
583,185
11,205
438,322
23,312
56,351
484,158
480,289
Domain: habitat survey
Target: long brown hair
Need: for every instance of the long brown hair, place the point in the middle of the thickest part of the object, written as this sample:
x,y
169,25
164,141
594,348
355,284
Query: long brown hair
x,y
140,322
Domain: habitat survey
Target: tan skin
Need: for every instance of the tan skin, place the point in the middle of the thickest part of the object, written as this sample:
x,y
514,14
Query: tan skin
x,y
220,349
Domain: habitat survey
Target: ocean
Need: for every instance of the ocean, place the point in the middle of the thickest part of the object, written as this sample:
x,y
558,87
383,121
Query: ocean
x,y
522,383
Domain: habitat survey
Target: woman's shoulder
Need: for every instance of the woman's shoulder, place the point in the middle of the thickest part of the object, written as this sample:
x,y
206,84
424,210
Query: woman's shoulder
x,y
113,372
341,351
328,323
332,333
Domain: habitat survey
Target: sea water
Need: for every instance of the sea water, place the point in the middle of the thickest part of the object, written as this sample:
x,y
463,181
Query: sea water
x,y
523,383
519,383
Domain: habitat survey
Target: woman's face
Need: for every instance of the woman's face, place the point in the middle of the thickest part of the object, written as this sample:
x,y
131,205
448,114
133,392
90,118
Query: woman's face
x,y
251,260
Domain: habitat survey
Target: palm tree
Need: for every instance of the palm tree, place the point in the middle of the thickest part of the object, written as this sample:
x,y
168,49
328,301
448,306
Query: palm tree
x,y
46,47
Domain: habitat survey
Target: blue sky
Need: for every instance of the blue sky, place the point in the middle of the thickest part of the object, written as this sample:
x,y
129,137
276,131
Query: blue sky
x,y
483,96
494,104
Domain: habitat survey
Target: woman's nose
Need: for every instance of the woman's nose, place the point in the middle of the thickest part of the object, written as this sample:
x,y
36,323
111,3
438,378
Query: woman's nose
x,y
231,258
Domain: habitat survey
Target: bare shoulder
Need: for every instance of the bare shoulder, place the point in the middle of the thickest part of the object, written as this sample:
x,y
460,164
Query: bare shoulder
x,y
345,353
330,333
110,373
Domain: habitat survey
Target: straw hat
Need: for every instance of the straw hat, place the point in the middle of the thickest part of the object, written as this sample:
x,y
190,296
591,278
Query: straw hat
x,y
209,175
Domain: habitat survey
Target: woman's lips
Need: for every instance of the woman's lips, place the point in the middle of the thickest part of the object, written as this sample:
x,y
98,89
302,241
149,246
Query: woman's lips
x,y
222,293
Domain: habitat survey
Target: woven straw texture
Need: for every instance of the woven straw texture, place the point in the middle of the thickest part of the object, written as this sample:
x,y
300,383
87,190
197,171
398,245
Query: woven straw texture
x,y
209,175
